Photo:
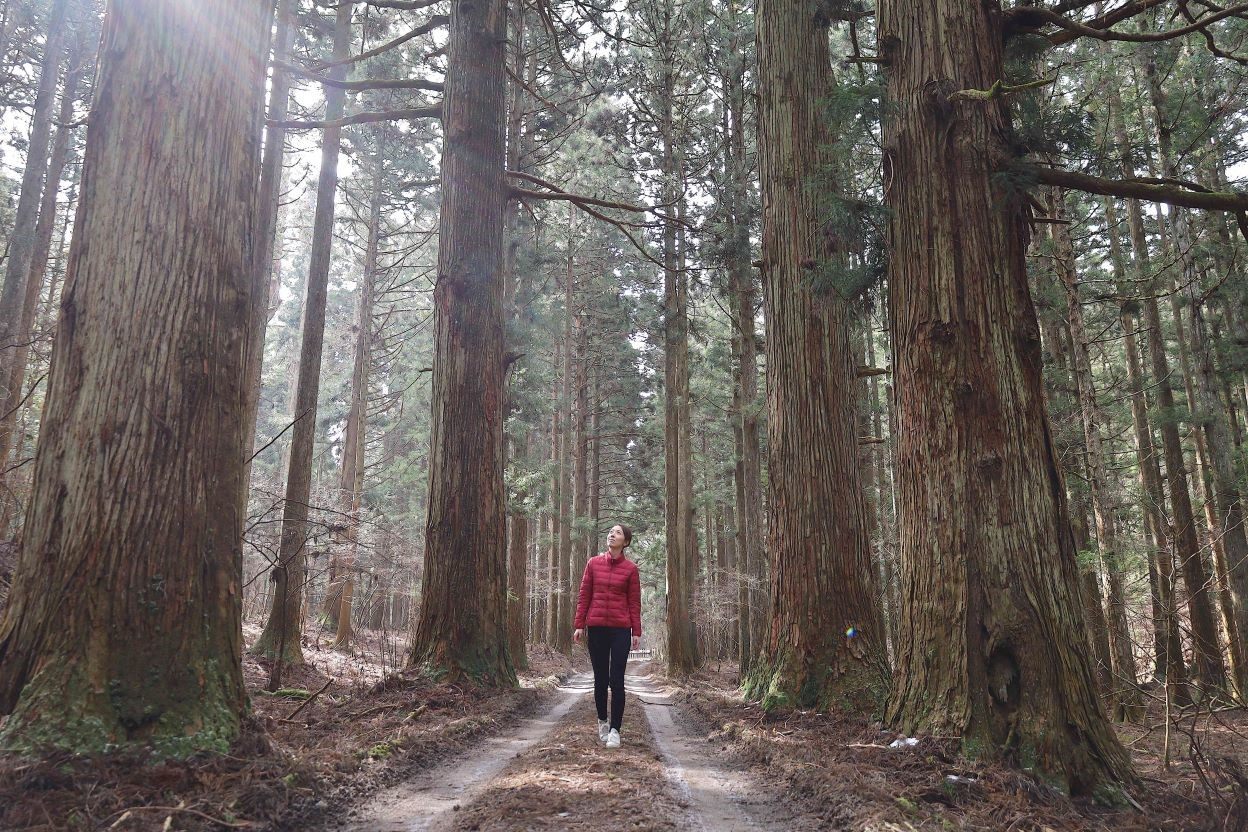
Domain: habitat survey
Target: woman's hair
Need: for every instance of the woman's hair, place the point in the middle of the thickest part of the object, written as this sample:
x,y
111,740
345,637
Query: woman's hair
x,y
628,534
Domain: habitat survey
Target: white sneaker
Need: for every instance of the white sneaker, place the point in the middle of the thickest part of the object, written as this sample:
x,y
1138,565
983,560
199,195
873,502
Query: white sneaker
x,y
613,739
604,728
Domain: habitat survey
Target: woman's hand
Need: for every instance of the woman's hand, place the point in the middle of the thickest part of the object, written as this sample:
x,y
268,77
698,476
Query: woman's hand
x,y
576,635
636,642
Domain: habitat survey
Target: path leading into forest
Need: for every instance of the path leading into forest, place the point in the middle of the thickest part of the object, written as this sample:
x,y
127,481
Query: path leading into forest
x,y
551,772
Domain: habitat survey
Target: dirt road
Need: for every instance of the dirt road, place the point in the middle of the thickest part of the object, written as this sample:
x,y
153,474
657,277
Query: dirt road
x,y
551,772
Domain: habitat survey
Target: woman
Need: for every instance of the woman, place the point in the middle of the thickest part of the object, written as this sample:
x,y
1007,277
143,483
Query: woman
x,y
610,604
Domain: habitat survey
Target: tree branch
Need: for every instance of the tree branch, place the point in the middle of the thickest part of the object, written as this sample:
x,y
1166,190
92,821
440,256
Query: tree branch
x,y
999,90
558,193
406,5
1169,192
1077,30
433,23
365,84
434,111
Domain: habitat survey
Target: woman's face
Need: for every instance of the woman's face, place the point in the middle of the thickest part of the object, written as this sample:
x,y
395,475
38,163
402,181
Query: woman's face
x,y
615,538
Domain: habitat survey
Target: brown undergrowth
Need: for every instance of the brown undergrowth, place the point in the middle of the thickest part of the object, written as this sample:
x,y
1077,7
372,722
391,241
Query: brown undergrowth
x,y
844,771
298,758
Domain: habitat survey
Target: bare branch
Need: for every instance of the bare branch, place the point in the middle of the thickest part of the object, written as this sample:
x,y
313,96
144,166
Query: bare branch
x,y
431,24
1077,30
365,84
1170,192
433,111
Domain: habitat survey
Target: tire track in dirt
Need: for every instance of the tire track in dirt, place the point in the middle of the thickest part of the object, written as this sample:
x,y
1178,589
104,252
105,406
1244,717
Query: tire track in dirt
x,y
720,799
551,772
419,803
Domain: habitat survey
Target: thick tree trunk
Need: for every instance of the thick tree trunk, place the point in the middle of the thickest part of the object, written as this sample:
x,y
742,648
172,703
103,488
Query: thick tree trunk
x,y
463,621
993,646
1124,691
124,627
21,243
826,643
280,638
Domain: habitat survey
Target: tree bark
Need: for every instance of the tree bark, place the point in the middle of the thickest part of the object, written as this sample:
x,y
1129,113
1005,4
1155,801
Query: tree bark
x,y
826,644
993,646
124,627
282,630
463,621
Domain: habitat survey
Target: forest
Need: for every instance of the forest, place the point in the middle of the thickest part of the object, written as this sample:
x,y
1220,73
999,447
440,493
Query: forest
x,y
906,341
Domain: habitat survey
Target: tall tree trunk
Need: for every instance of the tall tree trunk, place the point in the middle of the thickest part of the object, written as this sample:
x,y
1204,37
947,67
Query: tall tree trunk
x,y
749,511
556,579
1055,340
826,644
517,589
518,520
463,620
22,238
888,591
1217,457
568,580
580,446
280,638
44,231
124,627
682,645
1168,662
270,190
993,646
1124,691
753,558
355,437
1208,671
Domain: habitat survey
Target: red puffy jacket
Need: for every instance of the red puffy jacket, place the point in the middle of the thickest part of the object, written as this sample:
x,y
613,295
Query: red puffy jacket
x,y
610,594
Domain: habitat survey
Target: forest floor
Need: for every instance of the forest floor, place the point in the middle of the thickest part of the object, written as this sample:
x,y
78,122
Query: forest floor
x,y
400,752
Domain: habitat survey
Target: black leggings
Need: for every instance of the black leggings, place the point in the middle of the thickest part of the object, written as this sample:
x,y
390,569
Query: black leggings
x,y
608,652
